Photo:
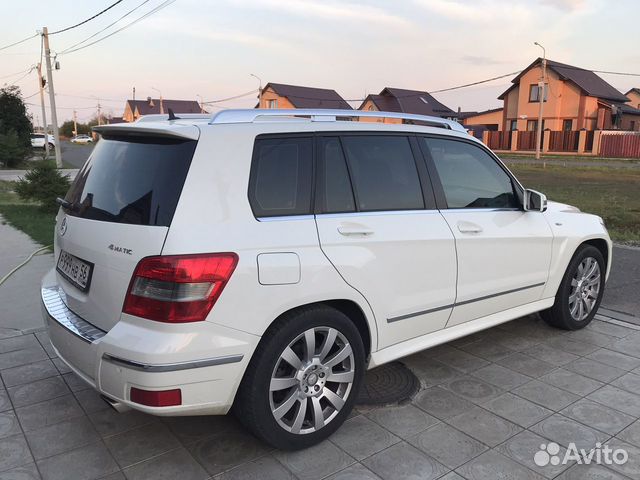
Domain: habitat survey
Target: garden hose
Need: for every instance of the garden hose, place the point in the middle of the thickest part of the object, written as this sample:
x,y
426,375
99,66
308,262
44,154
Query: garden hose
x,y
4,279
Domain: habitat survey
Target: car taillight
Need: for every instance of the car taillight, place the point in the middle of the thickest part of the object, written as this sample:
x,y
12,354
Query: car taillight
x,y
178,288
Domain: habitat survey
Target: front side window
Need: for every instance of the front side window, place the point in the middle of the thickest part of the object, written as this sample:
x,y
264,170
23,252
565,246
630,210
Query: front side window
x,y
470,177
383,172
281,172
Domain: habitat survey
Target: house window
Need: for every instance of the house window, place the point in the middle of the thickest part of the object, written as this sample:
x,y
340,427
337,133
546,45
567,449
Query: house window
x,y
632,126
567,125
532,125
534,92
514,125
272,103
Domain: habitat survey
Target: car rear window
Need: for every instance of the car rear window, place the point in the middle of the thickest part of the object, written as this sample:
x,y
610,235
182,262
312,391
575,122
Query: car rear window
x,y
132,179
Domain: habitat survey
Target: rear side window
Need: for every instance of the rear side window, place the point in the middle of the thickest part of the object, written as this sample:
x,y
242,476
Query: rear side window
x,y
132,179
281,173
336,195
383,172
470,177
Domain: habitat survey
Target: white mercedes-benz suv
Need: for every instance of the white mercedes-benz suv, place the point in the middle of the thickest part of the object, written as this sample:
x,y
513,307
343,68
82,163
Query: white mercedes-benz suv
x,y
264,259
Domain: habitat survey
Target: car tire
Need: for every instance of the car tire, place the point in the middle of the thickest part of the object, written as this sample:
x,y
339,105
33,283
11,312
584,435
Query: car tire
x,y
580,291
294,407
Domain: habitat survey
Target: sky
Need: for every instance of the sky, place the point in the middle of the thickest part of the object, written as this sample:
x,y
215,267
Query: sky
x,y
207,49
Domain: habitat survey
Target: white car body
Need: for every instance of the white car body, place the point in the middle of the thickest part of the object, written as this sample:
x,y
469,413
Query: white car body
x,y
82,139
37,140
418,278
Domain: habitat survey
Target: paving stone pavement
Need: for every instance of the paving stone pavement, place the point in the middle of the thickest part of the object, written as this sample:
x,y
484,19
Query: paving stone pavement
x,y
486,405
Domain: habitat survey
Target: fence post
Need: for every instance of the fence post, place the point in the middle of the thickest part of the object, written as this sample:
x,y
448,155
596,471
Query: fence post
x,y
546,138
582,140
485,137
514,140
597,136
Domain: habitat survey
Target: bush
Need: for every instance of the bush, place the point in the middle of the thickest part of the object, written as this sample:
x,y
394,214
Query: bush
x,y
43,183
12,152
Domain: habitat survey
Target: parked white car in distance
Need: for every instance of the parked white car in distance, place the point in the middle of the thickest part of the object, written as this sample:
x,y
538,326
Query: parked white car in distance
x,y
82,139
275,255
37,140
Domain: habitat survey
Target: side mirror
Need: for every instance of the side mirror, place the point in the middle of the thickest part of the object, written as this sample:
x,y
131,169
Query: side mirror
x,y
534,201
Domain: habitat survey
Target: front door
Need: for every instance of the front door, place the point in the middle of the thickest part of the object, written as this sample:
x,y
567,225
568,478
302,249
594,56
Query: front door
x,y
503,252
378,225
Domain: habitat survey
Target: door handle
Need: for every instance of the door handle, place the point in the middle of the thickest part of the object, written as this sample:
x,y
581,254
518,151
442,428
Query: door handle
x,y
348,231
468,227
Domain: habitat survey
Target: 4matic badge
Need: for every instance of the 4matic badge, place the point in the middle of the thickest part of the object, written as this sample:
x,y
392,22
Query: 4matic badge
x,y
115,248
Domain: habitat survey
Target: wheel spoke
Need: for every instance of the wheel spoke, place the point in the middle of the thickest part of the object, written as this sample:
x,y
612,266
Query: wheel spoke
x,y
342,377
302,410
593,281
286,405
318,415
339,357
591,268
574,309
335,399
310,344
574,282
291,358
580,309
328,343
282,383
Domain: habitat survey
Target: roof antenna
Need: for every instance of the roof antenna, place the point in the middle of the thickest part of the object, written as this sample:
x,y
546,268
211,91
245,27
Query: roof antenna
x,y
172,116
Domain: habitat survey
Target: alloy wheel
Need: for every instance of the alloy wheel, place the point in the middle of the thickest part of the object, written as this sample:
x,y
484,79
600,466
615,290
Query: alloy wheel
x,y
312,380
585,287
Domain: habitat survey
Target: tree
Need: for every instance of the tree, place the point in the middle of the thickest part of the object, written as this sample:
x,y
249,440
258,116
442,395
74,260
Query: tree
x,y
43,183
15,127
66,129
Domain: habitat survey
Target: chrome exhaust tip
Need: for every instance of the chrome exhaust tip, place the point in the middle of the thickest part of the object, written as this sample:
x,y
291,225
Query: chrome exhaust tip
x,y
117,406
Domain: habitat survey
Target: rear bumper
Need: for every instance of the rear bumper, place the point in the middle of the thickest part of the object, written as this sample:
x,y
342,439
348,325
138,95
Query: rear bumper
x,y
204,360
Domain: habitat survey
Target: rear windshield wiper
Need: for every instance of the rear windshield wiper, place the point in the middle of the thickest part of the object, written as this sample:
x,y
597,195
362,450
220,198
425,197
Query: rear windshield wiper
x,y
66,204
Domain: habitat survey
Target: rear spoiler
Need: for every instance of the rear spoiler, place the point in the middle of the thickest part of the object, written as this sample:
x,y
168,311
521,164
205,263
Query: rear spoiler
x,y
189,132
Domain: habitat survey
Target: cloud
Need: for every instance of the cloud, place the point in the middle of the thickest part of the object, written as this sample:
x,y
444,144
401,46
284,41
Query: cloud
x,y
477,60
566,5
333,10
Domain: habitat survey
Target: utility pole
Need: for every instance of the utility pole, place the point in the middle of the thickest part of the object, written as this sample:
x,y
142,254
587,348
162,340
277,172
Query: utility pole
x,y
52,98
541,95
260,89
99,114
161,105
75,125
44,112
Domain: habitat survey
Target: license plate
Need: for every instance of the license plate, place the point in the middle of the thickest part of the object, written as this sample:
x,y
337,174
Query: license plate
x,y
77,271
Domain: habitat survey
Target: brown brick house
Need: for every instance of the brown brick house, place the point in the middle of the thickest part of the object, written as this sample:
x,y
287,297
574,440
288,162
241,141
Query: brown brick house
x,y
280,95
134,109
405,101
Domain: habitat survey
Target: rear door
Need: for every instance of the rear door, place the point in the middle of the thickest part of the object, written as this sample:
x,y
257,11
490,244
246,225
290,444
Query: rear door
x,y
122,203
378,225
503,252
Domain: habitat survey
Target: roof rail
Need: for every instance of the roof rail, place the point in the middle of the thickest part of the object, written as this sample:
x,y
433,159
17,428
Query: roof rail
x,y
158,117
250,115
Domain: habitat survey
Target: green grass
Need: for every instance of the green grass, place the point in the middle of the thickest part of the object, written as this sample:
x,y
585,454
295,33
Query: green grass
x,y
612,193
26,216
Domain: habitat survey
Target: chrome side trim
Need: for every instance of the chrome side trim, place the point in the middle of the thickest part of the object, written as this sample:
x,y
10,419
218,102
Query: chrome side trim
x,y
464,302
53,299
172,367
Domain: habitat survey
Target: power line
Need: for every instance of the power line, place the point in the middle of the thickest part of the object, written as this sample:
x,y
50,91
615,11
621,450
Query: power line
x,y
88,19
17,73
19,42
164,4
250,92
475,83
105,28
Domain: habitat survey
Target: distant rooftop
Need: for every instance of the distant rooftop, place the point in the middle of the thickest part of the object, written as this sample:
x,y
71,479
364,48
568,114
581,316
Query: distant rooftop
x,y
408,101
309,97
